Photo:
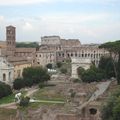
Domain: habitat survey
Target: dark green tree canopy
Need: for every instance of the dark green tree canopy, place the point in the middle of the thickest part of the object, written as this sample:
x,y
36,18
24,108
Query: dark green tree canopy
x,y
114,47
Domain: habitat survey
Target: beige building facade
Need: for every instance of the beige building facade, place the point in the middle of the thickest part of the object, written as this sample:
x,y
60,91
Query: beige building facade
x,y
6,70
63,49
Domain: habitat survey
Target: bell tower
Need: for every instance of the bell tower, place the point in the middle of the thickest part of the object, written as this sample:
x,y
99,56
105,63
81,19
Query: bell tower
x,y
11,39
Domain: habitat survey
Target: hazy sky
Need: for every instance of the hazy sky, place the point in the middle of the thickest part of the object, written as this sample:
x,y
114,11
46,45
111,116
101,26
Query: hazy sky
x,y
91,21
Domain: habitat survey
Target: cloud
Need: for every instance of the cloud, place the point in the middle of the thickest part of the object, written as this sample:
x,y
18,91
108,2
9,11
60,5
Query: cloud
x,y
27,26
88,28
1,18
23,2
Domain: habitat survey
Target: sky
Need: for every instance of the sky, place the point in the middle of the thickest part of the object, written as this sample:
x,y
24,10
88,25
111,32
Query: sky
x,y
90,21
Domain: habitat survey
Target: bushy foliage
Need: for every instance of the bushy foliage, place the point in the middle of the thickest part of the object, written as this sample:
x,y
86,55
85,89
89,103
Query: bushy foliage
x,y
92,74
106,64
49,66
37,74
111,110
114,49
80,71
77,80
27,45
28,82
24,101
31,76
18,83
63,70
59,64
5,90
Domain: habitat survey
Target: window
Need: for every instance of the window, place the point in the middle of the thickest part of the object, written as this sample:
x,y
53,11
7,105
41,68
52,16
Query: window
x,y
4,77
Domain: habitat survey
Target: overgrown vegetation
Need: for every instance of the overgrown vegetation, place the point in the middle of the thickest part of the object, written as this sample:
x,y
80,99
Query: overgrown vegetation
x,y
105,70
114,49
111,110
5,90
49,66
24,101
27,45
31,76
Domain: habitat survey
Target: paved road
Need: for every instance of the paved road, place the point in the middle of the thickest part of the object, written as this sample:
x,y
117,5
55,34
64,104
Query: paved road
x,y
102,87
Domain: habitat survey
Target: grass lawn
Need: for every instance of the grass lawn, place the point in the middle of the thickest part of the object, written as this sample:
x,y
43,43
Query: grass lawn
x,y
7,99
48,94
10,98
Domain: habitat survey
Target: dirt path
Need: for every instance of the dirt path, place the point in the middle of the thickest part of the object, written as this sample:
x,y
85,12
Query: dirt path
x,y
12,105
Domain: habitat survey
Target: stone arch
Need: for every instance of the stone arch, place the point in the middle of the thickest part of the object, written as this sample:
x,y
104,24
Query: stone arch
x,y
4,77
79,62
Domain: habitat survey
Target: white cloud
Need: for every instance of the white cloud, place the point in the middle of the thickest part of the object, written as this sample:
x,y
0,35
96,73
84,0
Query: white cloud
x,y
22,2
1,18
86,27
27,26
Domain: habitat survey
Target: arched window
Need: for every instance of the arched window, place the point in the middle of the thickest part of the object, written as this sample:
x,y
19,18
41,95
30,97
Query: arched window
x,y
4,77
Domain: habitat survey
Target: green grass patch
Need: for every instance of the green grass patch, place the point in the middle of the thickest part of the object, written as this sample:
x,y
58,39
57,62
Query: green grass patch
x,y
7,99
10,98
48,94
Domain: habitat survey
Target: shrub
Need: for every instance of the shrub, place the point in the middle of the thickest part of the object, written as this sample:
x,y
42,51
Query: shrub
x,y
76,80
24,101
18,84
63,70
41,85
49,66
37,74
5,90
59,64
80,71
28,82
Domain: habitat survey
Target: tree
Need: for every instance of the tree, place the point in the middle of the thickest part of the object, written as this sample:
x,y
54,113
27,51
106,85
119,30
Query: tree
x,y
114,49
92,74
59,64
111,110
80,71
28,82
37,74
18,83
49,66
27,45
116,110
5,90
106,65
24,101
63,70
